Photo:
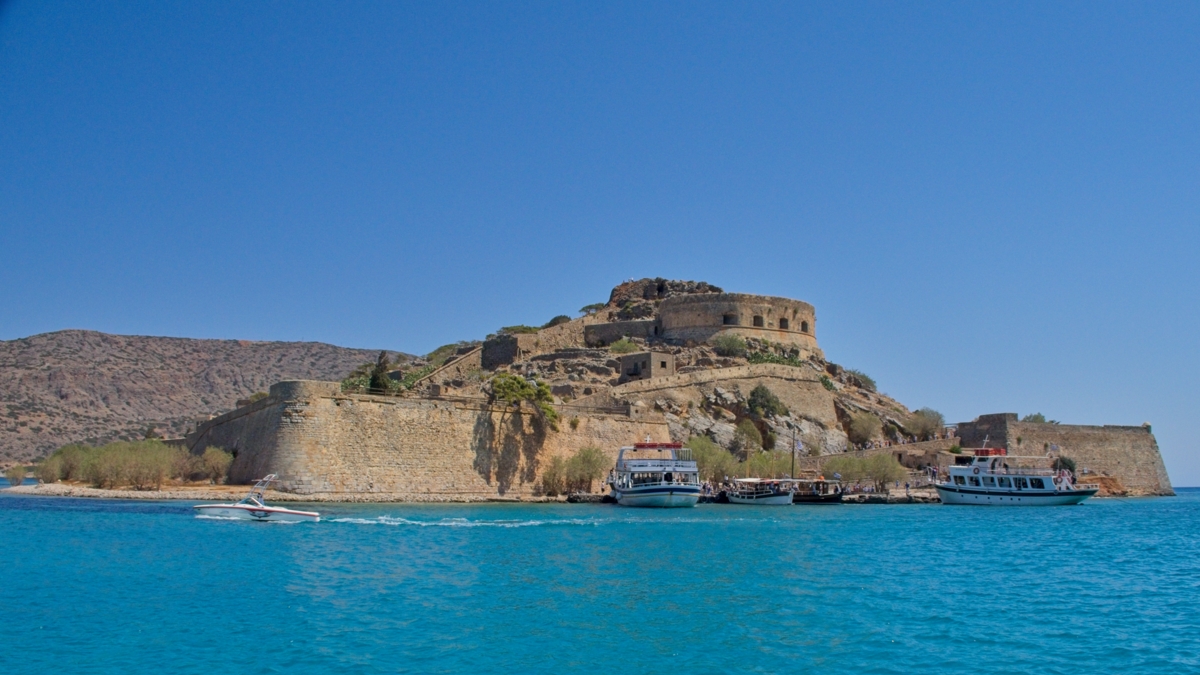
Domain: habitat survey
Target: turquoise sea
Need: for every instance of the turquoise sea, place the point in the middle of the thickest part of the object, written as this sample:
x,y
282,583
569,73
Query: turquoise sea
x,y
144,587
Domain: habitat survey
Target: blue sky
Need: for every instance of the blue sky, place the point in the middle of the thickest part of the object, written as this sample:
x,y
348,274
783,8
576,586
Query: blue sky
x,y
994,207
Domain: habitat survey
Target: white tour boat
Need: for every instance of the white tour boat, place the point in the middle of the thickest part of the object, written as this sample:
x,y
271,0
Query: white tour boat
x,y
253,508
988,481
761,492
644,476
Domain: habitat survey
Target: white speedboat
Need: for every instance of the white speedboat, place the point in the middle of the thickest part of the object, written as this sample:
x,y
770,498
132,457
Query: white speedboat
x,y
760,492
987,480
644,476
254,508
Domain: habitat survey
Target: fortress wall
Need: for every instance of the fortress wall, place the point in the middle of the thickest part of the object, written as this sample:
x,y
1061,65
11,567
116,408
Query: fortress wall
x,y
458,368
1129,454
800,389
600,334
386,448
702,318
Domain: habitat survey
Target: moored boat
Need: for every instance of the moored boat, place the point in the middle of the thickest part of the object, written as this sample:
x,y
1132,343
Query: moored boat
x,y
817,491
645,476
252,507
761,492
987,480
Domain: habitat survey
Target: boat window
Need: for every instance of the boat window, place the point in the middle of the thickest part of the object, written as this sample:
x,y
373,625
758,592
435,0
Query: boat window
x,y
974,481
1006,482
958,480
989,481
1021,483
1037,484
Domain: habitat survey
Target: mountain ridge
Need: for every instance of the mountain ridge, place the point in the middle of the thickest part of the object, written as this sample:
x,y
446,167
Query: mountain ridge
x,y
80,385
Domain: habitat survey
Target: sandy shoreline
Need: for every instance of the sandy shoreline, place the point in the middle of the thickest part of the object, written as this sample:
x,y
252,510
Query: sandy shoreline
x,y
226,493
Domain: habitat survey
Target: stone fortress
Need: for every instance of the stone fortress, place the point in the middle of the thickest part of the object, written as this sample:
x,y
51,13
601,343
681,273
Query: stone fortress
x,y
444,439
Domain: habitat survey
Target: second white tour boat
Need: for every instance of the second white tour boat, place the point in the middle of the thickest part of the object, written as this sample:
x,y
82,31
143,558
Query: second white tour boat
x,y
988,481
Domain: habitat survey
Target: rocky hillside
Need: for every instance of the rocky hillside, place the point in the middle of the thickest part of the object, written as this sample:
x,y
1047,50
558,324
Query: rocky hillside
x,y
75,385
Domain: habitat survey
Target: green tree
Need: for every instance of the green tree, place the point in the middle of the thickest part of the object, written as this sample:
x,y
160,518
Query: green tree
x,y
763,402
380,381
863,427
592,308
586,466
713,461
883,469
511,390
746,438
925,423
1034,417
560,319
730,345
851,469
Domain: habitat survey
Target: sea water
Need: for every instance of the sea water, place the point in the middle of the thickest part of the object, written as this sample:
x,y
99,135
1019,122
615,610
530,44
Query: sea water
x,y
94,586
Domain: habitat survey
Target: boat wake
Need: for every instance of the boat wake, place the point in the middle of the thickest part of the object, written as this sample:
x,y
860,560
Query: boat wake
x,y
554,522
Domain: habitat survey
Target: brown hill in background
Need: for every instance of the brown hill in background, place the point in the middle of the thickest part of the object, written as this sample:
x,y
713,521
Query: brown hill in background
x,y
85,386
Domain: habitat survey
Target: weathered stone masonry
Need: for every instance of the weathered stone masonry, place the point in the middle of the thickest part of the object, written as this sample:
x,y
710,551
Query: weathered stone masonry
x,y
323,442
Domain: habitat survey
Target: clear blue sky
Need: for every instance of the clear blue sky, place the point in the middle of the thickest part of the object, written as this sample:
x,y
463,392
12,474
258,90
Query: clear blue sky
x,y
994,207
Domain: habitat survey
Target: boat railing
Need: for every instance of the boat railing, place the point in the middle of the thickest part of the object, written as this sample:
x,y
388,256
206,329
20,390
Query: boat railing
x,y
1024,472
656,465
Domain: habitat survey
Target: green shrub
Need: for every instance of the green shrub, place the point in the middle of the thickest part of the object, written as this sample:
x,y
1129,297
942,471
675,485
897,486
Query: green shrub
x,y
624,346
15,474
955,450
215,464
925,423
763,402
713,461
863,380
554,477
827,383
771,357
440,355
592,308
729,345
1034,417
560,319
767,464
49,470
517,330
851,469
1063,463
258,396
863,427
586,466
574,423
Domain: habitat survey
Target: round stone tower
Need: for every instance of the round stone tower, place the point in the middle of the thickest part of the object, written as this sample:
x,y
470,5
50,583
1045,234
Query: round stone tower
x,y
704,317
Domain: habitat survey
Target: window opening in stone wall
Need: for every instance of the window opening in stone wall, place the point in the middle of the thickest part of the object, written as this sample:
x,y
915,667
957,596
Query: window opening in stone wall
x,y
783,324
758,321
803,326
729,320
662,364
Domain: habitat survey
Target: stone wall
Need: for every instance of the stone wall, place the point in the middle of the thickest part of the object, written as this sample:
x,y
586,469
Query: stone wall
x,y
601,334
325,443
702,318
1129,454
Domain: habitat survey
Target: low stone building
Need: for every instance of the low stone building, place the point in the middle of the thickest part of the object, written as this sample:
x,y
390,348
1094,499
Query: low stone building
x,y
646,365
